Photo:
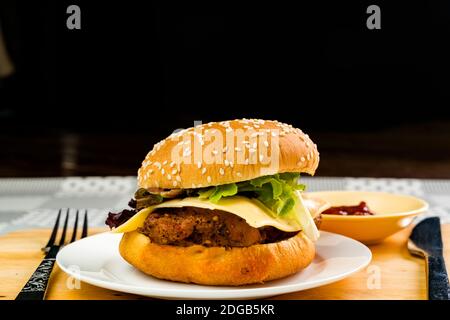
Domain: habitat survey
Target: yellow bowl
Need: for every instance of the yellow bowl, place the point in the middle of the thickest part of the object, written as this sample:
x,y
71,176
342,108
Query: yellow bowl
x,y
393,212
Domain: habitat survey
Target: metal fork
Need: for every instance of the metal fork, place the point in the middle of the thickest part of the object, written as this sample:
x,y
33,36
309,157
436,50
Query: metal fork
x,y
36,286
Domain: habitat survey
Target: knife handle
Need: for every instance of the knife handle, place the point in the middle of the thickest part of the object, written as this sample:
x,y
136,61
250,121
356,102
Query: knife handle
x,y
438,286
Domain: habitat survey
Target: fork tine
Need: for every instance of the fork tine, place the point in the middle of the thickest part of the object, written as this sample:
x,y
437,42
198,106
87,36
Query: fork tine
x,y
51,241
85,225
75,226
63,236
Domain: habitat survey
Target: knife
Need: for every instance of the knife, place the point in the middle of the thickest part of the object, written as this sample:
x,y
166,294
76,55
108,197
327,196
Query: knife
x,y
426,241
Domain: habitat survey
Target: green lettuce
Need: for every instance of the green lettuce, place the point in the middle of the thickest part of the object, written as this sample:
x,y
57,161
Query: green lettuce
x,y
214,194
277,192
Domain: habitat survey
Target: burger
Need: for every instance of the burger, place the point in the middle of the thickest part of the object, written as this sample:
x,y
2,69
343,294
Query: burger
x,y
222,203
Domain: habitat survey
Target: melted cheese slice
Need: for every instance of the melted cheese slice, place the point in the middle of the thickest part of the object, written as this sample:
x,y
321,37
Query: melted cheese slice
x,y
315,205
251,210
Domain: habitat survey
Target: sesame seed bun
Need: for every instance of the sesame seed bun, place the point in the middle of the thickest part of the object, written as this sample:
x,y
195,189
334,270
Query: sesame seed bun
x,y
218,265
218,153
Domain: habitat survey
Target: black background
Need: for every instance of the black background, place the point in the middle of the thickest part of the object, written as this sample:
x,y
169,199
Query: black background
x,y
144,70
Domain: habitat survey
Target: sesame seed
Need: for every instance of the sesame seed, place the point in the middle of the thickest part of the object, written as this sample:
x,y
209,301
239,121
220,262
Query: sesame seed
x,y
238,174
238,149
187,152
178,178
193,186
174,171
172,164
165,162
227,163
162,171
175,183
158,165
208,179
221,171
150,171
169,177
225,149
308,156
215,152
266,144
302,159
255,145
199,164
261,158
246,161
203,170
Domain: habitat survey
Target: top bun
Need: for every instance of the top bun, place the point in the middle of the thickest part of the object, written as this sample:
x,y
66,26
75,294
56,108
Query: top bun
x,y
218,153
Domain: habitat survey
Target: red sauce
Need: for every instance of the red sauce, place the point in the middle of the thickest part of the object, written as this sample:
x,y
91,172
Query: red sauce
x,y
360,210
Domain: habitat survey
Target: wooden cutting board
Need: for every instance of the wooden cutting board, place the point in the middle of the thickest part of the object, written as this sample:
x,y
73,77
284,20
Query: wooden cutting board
x,y
392,274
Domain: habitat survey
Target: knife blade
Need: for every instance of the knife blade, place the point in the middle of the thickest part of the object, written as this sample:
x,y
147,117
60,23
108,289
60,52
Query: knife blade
x,y
426,241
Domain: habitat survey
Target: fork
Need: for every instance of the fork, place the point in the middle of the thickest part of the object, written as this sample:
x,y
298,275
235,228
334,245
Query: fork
x,y
36,286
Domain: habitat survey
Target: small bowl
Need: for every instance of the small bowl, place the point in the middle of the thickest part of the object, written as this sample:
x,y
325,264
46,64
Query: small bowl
x,y
392,213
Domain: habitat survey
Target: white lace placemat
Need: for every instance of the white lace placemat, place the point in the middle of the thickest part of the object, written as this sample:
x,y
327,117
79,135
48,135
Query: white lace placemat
x,y
33,203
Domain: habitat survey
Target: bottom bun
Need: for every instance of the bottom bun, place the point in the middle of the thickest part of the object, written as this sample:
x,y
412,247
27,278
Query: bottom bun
x,y
218,265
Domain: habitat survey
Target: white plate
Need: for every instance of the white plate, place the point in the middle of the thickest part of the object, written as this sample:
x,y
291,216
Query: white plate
x,y
96,260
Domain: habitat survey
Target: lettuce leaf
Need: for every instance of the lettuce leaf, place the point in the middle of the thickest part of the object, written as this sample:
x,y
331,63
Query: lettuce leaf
x,y
214,194
277,192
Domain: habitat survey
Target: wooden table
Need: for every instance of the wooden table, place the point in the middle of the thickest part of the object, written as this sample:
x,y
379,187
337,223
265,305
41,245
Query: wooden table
x,y
401,276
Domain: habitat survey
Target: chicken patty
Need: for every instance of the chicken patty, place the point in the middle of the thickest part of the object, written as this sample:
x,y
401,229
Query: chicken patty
x,y
190,225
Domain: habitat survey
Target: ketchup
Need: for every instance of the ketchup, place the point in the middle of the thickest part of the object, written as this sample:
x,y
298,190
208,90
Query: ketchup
x,y
360,210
